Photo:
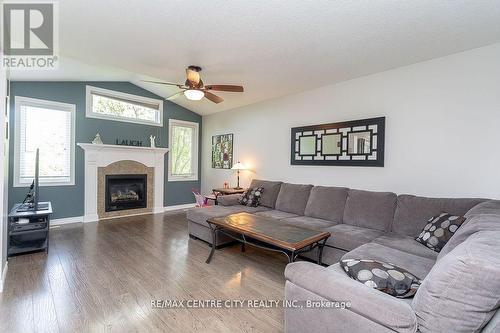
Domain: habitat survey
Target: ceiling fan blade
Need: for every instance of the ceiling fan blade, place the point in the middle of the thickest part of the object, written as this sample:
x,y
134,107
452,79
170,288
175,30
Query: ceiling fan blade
x,y
174,96
167,83
193,76
225,87
214,98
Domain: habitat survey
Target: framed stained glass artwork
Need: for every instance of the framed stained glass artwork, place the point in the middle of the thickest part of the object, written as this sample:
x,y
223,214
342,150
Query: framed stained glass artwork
x,y
222,151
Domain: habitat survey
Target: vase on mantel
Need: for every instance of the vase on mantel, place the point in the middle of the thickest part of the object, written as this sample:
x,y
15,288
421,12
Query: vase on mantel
x,y
97,140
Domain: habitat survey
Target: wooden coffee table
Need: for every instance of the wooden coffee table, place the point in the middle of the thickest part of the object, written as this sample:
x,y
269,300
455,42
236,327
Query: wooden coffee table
x,y
268,234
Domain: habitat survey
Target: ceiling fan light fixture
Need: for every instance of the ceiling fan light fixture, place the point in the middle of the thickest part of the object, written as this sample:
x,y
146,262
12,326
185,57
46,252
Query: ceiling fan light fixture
x,y
194,94
194,89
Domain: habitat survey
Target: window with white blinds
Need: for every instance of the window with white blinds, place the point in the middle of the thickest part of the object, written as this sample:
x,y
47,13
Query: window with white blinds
x,y
49,126
114,105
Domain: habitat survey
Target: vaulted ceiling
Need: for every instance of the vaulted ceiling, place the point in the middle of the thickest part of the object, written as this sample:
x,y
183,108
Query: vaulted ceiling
x,y
273,48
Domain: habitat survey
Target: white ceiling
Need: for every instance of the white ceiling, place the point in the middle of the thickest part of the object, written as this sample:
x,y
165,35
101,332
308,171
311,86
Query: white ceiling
x,y
273,48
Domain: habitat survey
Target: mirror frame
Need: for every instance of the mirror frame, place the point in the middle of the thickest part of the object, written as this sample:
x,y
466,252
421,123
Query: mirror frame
x,y
376,127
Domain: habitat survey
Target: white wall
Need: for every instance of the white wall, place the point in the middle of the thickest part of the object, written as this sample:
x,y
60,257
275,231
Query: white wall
x,y
442,129
4,172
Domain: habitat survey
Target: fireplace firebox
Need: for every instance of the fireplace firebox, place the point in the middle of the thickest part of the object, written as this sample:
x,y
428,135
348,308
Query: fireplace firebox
x,y
125,192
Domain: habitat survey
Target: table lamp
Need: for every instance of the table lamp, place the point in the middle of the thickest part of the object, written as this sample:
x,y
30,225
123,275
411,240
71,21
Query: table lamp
x,y
238,166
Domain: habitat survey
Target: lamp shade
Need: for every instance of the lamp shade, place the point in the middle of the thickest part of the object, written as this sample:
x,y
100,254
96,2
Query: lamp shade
x,y
239,166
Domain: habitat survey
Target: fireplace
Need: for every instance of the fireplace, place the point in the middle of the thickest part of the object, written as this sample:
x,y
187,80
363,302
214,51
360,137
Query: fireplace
x,y
125,192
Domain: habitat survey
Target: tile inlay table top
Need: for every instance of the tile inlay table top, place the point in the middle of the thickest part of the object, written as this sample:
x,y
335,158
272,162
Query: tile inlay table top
x,y
269,234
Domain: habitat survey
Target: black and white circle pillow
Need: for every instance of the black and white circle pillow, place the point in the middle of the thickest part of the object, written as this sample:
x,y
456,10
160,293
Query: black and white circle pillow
x,y
382,276
439,229
251,197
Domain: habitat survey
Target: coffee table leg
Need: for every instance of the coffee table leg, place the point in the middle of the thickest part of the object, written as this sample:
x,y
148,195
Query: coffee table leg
x,y
320,251
291,257
214,241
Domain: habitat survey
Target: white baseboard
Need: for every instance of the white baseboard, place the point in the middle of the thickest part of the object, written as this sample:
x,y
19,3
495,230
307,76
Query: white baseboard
x,y
90,218
81,219
67,220
4,275
128,215
179,207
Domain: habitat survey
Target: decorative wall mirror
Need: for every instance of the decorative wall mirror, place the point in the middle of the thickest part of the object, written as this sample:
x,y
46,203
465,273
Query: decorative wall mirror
x,y
350,143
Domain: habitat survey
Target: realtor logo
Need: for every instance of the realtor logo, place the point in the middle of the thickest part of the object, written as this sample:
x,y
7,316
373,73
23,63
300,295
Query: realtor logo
x,y
29,35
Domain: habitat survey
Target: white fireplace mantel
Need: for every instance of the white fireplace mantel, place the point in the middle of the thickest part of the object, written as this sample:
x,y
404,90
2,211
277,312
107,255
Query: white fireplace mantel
x,y
102,155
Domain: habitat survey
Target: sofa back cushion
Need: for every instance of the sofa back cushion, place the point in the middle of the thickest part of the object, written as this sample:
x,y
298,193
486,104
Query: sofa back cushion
x,y
327,203
476,223
486,207
293,198
462,291
374,210
270,193
413,213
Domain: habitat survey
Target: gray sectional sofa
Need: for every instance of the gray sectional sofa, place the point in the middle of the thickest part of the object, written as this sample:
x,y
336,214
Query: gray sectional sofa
x,y
461,284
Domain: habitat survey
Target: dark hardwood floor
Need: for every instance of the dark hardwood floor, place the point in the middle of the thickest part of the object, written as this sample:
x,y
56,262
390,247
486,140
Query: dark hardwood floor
x,y
102,277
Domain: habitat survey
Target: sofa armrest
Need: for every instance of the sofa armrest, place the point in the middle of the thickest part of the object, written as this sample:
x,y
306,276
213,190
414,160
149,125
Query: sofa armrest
x,y
334,285
228,200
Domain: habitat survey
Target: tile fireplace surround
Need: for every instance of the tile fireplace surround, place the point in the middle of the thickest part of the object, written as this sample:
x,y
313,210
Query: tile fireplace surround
x,y
112,159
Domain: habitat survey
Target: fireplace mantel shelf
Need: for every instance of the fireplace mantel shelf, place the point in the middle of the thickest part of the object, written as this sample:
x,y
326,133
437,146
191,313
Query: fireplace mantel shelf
x,y
91,146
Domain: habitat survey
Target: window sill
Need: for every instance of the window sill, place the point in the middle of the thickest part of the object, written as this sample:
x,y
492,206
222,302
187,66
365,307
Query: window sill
x,y
182,179
16,184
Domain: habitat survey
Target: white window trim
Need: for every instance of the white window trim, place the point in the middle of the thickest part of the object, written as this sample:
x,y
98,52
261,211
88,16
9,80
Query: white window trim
x,y
89,113
194,177
17,139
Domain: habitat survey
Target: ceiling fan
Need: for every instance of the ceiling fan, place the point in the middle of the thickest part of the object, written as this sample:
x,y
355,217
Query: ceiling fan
x,y
194,89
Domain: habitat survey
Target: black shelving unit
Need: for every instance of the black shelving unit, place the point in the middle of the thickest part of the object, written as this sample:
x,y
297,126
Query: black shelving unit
x,y
28,230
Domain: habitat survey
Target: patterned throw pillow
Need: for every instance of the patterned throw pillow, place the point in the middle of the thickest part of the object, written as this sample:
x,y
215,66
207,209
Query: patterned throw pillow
x,y
439,229
385,277
251,197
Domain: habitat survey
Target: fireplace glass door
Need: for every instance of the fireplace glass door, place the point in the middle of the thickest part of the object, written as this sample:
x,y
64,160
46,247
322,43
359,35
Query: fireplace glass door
x,y
125,192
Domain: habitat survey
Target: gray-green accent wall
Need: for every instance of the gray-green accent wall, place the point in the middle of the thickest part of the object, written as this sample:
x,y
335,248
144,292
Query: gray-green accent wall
x,y
68,201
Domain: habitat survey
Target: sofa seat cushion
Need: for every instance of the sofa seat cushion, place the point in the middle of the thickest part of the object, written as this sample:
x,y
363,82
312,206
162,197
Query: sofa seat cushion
x,y
412,212
406,244
276,214
462,291
374,210
251,210
201,215
348,237
416,265
308,222
327,203
293,198
270,193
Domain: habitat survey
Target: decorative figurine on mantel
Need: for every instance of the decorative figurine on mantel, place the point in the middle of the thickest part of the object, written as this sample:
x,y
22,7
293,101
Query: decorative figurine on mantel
x,y
152,139
97,140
